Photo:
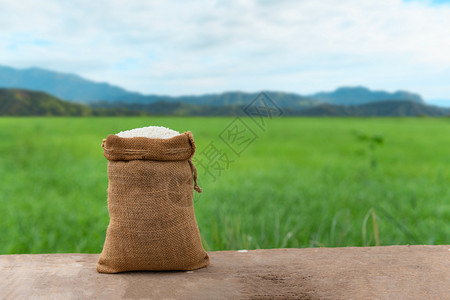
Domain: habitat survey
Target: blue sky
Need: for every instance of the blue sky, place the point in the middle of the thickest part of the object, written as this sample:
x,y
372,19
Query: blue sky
x,y
440,2
431,2
196,47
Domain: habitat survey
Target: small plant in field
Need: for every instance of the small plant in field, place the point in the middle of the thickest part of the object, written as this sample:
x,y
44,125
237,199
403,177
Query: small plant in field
x,y
376,235
372,142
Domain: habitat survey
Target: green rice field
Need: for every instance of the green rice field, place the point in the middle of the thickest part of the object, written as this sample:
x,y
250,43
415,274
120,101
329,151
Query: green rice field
x,y
292,182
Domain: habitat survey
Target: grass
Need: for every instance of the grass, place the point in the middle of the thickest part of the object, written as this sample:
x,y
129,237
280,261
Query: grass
x,y
303,182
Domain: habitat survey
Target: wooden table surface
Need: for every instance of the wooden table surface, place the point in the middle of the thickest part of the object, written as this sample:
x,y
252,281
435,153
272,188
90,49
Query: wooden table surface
x,y
393,272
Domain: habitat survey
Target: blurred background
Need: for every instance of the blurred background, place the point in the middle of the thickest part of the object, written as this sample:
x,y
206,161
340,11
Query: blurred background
x,y
317,123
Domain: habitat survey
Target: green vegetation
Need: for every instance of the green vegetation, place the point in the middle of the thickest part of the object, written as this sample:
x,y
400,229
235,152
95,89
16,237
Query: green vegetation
x,y
302,183
16,102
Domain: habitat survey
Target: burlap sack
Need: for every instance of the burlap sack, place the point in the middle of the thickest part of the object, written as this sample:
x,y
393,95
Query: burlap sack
x,y
152,222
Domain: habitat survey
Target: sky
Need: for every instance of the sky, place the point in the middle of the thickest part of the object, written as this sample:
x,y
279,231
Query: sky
x,y
197,47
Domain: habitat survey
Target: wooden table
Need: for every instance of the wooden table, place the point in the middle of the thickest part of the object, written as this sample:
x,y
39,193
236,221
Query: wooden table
x,y
394,272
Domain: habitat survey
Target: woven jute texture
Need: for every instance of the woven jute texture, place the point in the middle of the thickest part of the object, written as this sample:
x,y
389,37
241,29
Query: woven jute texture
x,y
152,222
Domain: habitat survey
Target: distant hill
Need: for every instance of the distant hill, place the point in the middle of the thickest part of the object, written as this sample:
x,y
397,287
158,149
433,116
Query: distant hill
x,y
362,95
65,86
389,108
165,108
218,100
77,89
17,102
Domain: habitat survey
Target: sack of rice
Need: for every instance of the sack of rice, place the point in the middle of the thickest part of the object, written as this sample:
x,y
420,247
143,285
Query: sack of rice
x,y
152,223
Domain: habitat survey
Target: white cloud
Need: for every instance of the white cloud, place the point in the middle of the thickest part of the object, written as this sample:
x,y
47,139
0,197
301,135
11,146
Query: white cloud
x,y
195,47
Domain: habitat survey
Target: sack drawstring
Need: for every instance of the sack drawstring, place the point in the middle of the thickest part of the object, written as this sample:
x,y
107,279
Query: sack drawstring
x,y
194,170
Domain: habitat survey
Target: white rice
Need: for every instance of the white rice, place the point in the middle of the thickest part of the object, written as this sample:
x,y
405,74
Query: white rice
x,y
153,132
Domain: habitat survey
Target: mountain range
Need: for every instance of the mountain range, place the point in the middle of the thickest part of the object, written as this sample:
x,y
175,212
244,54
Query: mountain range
x,y
362,95
18,102
25,88
77,89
